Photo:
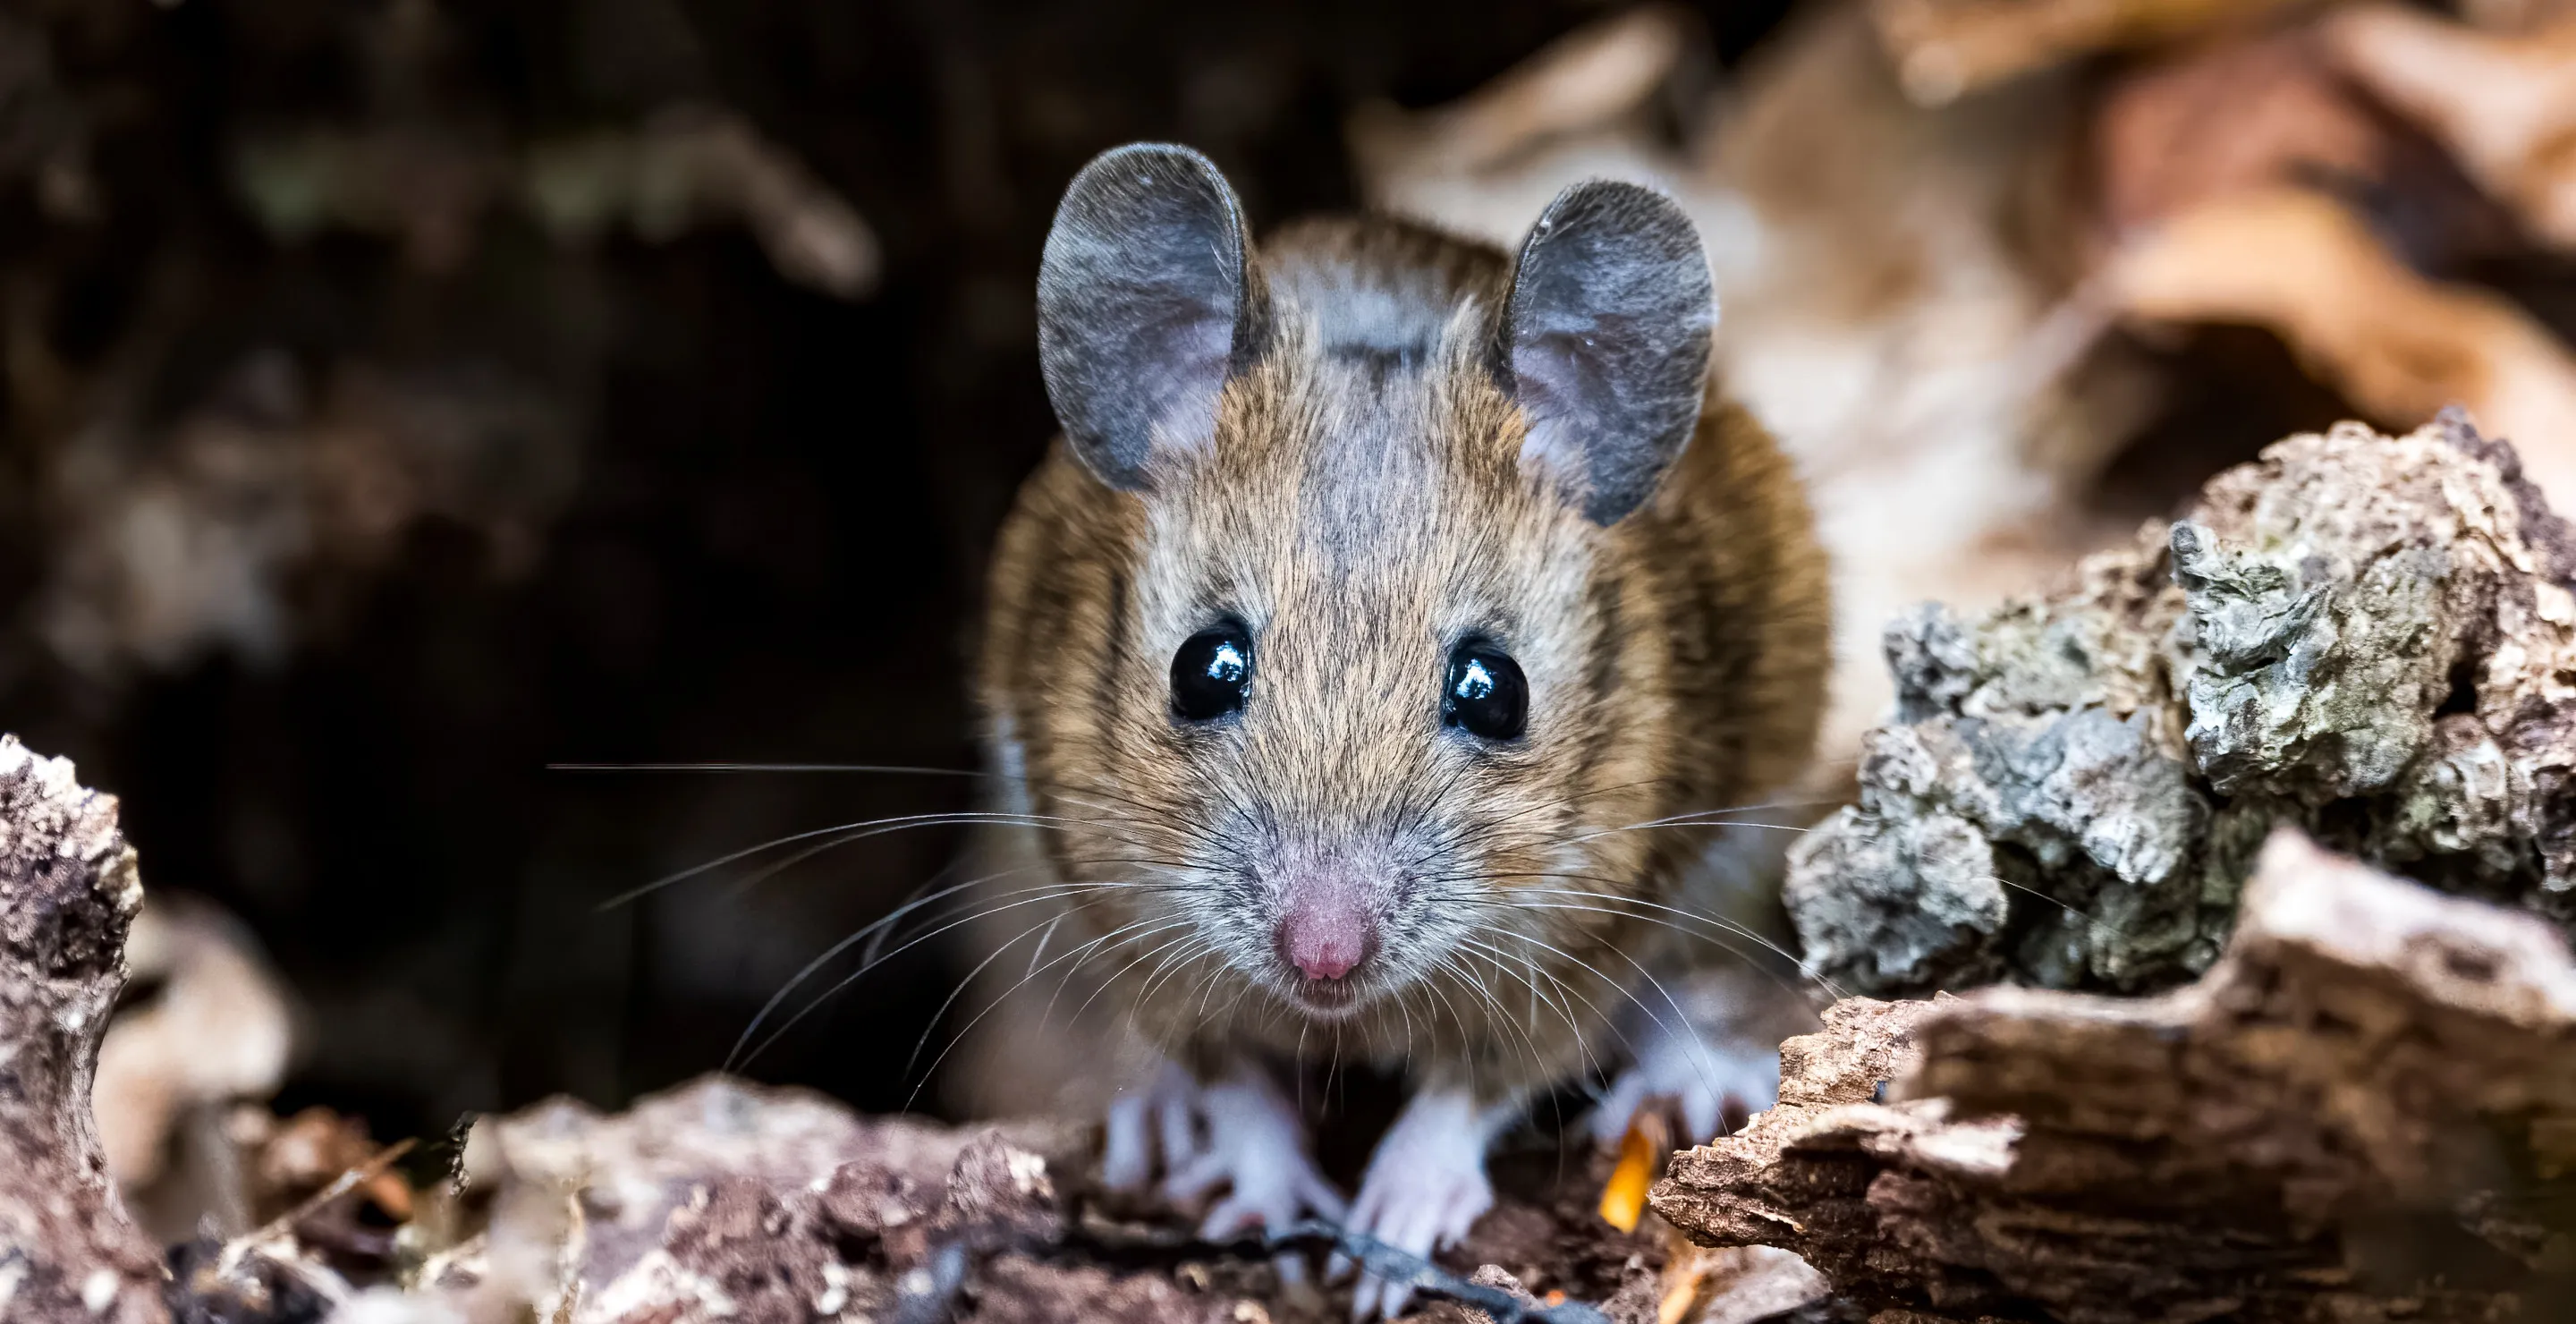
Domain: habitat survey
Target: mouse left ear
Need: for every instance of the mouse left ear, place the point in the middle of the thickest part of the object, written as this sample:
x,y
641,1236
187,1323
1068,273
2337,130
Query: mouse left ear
x,y
1143,305
1605,342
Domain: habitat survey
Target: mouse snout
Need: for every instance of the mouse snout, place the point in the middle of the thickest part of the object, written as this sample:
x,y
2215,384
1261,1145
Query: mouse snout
x,y
1326,926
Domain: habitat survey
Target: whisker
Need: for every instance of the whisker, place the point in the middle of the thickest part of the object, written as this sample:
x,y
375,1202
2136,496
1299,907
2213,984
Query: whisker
x,y
1509,900
1529,975
968,981
857,832
1085,953
1569,990
2102,925
891,917
1046,892
884,935
1145,991
1718,922
1140,959
1466,1048
960,990
820,998
1679,822
1456,968
1685,1034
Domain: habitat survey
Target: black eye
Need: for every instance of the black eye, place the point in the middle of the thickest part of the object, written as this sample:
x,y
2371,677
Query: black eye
x,y
1210,674
1485,693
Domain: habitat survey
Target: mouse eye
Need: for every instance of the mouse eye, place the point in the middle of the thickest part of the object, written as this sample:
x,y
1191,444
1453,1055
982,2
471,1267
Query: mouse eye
x,y
1485,693
1210,674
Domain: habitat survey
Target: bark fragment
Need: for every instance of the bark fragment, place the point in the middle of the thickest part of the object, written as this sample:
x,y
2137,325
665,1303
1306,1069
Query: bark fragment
x,y
68,890
2365,1111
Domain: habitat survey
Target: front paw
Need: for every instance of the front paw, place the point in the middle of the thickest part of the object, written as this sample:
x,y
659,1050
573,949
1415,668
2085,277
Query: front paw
x,y
1161,1116
1256,1149
1425,1187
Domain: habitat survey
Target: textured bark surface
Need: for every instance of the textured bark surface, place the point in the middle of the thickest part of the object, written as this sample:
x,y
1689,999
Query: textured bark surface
x,y
2365,1111
68,890
2373,638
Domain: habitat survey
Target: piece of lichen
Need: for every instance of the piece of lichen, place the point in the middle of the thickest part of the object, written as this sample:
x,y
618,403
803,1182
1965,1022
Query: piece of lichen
x,y
2372,637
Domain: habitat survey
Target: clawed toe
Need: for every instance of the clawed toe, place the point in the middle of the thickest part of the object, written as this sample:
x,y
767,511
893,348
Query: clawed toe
x,y
1159,1116
1238,1141
1425,1188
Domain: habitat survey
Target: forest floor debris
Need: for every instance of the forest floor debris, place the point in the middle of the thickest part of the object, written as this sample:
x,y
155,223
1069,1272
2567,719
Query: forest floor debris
x,y
205,1024
726,1199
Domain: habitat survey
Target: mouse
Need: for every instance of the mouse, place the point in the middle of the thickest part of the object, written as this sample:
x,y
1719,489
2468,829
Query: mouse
x,y
1356,662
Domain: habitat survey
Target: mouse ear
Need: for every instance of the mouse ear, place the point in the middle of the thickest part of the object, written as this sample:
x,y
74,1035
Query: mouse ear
x,y
1142,306
1605,342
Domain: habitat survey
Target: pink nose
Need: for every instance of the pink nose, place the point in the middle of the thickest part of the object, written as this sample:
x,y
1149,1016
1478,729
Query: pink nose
x,y
1326,931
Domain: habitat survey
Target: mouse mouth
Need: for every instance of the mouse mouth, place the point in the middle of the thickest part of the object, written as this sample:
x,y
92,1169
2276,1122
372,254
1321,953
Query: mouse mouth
x,y
1325,999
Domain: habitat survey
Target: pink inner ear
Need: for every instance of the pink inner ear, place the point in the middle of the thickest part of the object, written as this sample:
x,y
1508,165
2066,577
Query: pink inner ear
x,y
1553,379
1198,343
1326,928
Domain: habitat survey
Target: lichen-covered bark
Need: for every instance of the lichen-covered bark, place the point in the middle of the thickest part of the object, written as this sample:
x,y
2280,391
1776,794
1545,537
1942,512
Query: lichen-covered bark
x,y
68,890
2373,638
2365,1111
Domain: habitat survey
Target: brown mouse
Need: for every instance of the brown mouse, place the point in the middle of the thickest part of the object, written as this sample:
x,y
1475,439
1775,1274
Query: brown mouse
x,y
1358,658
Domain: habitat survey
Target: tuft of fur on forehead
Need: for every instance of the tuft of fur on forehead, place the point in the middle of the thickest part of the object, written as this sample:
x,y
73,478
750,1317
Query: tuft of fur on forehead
x,y
1372,412
1380,288
1361,507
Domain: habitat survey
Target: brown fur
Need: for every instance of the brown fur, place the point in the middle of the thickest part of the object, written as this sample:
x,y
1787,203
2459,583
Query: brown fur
x,y
1361,506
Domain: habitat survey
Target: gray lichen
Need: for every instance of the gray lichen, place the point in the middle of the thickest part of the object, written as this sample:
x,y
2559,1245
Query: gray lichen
x,y
2371,637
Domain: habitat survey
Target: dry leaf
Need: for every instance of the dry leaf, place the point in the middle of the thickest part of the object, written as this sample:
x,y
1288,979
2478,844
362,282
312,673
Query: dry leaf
x,y
2399,346
2232,116
2505,105
1947,48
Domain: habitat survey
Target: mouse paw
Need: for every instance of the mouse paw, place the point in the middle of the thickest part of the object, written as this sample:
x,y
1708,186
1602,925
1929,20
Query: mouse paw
x,y
1424,1189
1156,1121
1256,1149
1699,1070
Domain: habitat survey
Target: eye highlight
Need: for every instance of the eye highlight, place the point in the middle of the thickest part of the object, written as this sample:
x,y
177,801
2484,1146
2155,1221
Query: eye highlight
x,y
1485,694
1211,673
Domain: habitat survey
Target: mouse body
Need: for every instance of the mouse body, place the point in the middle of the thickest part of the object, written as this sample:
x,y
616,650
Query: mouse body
x,y
1356,662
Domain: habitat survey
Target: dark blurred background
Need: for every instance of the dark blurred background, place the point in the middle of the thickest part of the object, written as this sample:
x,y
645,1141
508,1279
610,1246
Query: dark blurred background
x,y
402,395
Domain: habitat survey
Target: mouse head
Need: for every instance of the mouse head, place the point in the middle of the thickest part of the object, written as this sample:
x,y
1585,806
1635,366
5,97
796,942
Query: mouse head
x,y
1359,681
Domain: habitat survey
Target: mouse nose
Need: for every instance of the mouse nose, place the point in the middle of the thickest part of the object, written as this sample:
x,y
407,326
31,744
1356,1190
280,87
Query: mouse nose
x,y
1326,929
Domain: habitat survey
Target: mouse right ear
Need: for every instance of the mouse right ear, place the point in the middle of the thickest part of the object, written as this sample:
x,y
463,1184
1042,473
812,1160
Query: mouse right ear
x,y
1605,342
1143,309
